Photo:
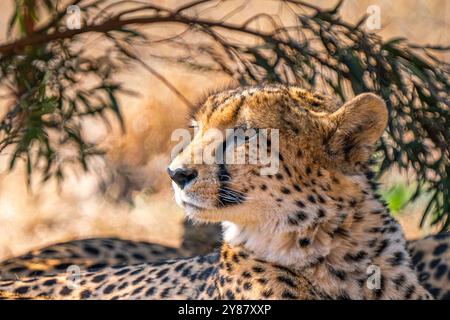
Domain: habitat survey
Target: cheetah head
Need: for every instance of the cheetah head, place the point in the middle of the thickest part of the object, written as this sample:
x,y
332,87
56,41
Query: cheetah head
x,y
316,143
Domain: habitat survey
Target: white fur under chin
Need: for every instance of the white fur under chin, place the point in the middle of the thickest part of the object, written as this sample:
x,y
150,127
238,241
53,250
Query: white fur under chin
x,y
267,244
230,232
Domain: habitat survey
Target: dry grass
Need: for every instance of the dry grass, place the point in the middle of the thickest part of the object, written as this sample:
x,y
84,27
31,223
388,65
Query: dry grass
x,y
134,169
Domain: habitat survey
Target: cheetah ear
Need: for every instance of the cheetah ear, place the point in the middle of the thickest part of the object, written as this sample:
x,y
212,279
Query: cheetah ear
x,y
355,128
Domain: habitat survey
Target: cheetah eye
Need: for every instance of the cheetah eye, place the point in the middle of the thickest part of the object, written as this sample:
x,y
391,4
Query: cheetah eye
x,y
193,124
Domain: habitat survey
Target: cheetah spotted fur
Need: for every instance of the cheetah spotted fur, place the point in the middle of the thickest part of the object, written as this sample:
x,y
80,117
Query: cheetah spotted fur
x,y
311,231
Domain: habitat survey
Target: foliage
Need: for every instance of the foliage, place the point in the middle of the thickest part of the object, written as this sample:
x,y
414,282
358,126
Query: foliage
x,y
319,50
398,196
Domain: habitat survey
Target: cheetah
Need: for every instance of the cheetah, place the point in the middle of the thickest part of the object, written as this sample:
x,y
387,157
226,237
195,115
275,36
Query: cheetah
x,y
431,260
316,229
431,253
96,253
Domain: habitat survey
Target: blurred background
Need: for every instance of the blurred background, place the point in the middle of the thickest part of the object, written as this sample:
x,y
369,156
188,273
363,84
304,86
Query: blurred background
x,y
126,193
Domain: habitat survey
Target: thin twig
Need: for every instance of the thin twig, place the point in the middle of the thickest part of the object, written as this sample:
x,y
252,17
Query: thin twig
x,y
155,73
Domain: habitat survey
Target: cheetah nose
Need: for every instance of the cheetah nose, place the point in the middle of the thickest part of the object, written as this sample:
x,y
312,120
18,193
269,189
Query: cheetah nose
x,y
182,176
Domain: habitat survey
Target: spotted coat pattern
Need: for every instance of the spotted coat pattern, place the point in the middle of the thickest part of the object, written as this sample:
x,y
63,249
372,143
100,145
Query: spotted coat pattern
x,y
430,258
316,229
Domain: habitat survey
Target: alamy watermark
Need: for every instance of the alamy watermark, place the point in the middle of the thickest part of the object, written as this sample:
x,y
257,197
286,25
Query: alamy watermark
x,y
374,277
73,276
373,21
236,146
73,20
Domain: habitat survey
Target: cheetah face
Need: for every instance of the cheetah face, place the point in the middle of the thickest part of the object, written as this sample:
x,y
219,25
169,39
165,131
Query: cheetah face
x,y
293,128
220,184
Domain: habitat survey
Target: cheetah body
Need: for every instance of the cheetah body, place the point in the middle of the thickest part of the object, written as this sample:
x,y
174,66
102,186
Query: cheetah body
x,y
430,258
316,229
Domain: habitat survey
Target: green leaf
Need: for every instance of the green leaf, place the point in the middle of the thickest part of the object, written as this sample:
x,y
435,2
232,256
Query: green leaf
x,y
398,196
